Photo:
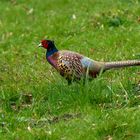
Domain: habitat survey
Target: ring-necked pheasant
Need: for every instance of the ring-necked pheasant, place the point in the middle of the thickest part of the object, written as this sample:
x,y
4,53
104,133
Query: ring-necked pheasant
x,y
74,66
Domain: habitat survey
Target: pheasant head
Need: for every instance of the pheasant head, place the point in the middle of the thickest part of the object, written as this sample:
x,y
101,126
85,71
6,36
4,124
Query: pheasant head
x,y
46,44
49,45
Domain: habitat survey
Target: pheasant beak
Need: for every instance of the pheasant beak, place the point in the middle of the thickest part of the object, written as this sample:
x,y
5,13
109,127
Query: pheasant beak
x,y
40,45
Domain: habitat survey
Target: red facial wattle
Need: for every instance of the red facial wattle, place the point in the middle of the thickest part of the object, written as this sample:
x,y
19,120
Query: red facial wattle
x,y
44,43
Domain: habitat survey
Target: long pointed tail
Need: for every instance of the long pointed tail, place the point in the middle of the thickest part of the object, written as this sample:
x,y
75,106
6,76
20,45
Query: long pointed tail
x,y
121,64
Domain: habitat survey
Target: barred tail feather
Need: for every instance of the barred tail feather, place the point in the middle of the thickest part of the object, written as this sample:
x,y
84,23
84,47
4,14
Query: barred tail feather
x,y
121,64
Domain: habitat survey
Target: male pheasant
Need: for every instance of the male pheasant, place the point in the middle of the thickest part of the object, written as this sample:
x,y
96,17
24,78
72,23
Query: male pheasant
x,y
73,66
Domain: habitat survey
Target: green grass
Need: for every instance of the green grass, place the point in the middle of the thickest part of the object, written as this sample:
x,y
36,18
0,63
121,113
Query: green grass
x,y
36,103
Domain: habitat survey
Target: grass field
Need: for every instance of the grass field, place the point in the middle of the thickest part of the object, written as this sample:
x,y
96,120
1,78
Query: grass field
x,y
36,103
